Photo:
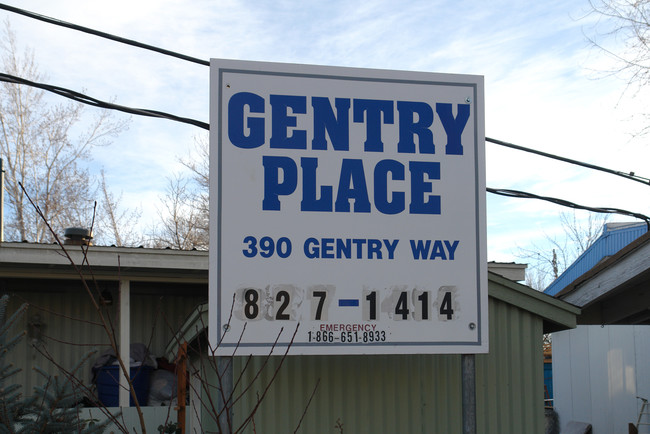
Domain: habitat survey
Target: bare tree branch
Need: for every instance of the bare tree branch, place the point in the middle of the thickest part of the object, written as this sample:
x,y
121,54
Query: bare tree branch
x,y
42,148
548,260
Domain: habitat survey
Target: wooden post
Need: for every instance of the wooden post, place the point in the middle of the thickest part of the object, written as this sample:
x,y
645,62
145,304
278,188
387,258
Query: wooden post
x,y
181,381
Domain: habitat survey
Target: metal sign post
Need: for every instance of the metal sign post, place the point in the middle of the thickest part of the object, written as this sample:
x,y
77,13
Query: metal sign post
x,y
468,372
224,394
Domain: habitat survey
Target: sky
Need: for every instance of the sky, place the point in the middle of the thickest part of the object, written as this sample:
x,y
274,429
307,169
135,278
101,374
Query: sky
x,y
546,86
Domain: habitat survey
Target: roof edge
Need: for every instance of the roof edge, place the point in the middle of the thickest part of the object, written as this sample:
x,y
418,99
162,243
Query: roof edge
x,y
556,314
603,265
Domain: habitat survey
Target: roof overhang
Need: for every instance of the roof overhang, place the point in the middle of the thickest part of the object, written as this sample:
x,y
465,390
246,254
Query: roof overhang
x,y
52,261
556,314
616,291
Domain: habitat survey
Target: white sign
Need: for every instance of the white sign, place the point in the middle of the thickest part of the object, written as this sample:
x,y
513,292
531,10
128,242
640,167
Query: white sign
x,y
347,211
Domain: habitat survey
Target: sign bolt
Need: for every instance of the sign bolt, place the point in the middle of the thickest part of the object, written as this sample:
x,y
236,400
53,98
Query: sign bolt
x,y
472,326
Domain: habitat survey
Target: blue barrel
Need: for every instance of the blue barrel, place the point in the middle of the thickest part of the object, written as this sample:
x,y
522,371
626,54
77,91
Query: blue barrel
x,y
108,380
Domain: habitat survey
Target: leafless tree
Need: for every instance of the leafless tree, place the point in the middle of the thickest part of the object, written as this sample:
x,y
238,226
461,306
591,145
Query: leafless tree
x,y
184,208
198,163
626,22
44,147
119,226
180,224
547,261
623,33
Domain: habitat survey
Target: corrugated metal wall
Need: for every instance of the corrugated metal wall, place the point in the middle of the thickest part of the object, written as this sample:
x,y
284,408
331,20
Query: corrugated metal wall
x,y
510,379
68,316
403,393
365,394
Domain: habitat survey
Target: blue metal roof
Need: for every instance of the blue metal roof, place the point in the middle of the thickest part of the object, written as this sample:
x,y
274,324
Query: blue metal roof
x,y
615,236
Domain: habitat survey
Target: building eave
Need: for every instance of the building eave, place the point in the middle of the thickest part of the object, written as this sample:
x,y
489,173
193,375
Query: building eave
x,y
556,314
51,261
615,290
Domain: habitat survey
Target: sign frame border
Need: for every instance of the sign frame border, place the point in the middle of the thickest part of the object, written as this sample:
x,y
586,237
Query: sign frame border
x,y
219,67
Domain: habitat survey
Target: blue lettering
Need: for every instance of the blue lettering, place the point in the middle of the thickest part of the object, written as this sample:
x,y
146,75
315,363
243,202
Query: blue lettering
x,y
374,249
438,251
443,249
359,242
373,110
311,248
397,204
309,201
343,248
409,127
327,248
337,128
420,186
272,185
451,248
352,185
420,249
282,121
391,248
453,126
236,130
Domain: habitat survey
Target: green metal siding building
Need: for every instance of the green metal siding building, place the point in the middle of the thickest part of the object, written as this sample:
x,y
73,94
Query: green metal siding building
x,y
318,394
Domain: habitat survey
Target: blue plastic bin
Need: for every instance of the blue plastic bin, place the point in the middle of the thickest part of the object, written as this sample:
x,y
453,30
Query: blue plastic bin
x,y
108,379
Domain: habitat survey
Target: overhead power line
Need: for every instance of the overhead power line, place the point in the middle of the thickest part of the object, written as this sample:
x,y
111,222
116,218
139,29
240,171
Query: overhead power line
x,y
80,97
77,96
154,113
105,35
566,203
631,176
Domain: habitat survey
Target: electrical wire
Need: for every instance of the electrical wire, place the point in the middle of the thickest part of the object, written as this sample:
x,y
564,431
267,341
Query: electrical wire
x,y
631,176
102,34
77,96
80,97
85,99
566,203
